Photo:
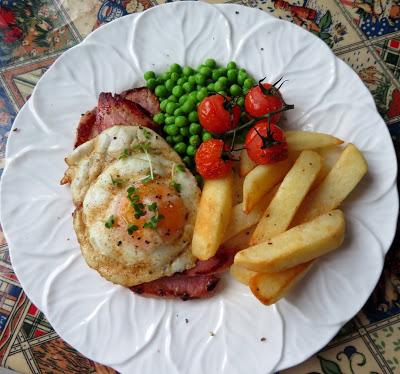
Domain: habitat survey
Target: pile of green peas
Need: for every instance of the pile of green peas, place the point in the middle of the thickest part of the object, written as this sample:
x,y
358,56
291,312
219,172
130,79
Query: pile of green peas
x,y
180,91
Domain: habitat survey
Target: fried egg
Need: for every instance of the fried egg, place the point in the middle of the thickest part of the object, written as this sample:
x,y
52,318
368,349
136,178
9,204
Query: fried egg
x,y
135,205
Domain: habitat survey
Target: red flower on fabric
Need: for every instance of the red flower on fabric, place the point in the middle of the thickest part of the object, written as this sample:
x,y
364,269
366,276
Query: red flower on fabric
x,y
12,35
7,18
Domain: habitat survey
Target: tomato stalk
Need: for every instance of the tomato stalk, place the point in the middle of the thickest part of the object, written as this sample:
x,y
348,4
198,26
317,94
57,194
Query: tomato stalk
x,y
265,116
273,90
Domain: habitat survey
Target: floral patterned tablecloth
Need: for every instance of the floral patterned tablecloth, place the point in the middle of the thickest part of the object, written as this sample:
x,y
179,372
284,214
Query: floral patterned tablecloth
x,y
363,33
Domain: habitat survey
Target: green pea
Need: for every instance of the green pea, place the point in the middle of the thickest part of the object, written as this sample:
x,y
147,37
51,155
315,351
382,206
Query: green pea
x,y
170,108
184,131
191,150
180,148
242,76
181,81
231,65
159,118
192,80
218,86
188,105
178,138
206,136
193,117
149,74
174,76
183,98
248,83
195,128
240,101
151,83
202,94
187,70
175,68
181,121
235,90
178,112
169,139
172,99
163,104
193,95
161,91
171,130
194,140
165,76
188,161
188,87
216,74
211,87
232,75
177,91
169,85
210,62
223,71
169,120
205,71
200,79
223,81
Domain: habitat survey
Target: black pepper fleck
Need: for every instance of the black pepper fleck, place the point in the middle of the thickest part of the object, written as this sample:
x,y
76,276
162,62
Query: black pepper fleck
x,y
147,242
263,339
237,12
211,333
16,129
119,243
262,49
186,320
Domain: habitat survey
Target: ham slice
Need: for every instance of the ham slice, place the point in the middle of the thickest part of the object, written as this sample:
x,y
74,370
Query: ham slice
x,y
179,286
144,97
115,110
198,282
111,110
86,129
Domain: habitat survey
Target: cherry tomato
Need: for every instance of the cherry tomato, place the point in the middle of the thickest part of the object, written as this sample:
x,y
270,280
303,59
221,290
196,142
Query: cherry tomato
x,y
266,146
209,160
217,114
257,103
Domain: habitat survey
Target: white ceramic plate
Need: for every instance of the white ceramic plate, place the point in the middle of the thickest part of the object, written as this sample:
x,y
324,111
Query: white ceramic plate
x,y
108,323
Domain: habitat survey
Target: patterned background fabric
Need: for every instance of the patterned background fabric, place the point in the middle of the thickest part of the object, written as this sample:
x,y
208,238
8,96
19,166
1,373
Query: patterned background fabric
x,y
363,33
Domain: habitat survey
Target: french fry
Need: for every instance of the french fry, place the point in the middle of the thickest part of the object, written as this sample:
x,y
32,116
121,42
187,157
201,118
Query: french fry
x,y
237,187
246,165
301,140
293,189
296,246
261,180
274,286
269,288
213,216
242,274
241,221
340,181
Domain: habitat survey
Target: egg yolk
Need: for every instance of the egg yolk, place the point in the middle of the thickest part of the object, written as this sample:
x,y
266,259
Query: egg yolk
x,y
159,200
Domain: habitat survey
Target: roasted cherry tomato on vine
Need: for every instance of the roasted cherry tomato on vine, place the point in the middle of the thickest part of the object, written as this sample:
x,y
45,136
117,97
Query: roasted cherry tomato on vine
x,y
262,99
218,114
266,144
210,160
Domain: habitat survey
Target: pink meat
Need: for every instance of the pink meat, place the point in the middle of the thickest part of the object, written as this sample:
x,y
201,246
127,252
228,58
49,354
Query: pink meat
x,y
115,110
86,128
179,286
144,97
198,282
